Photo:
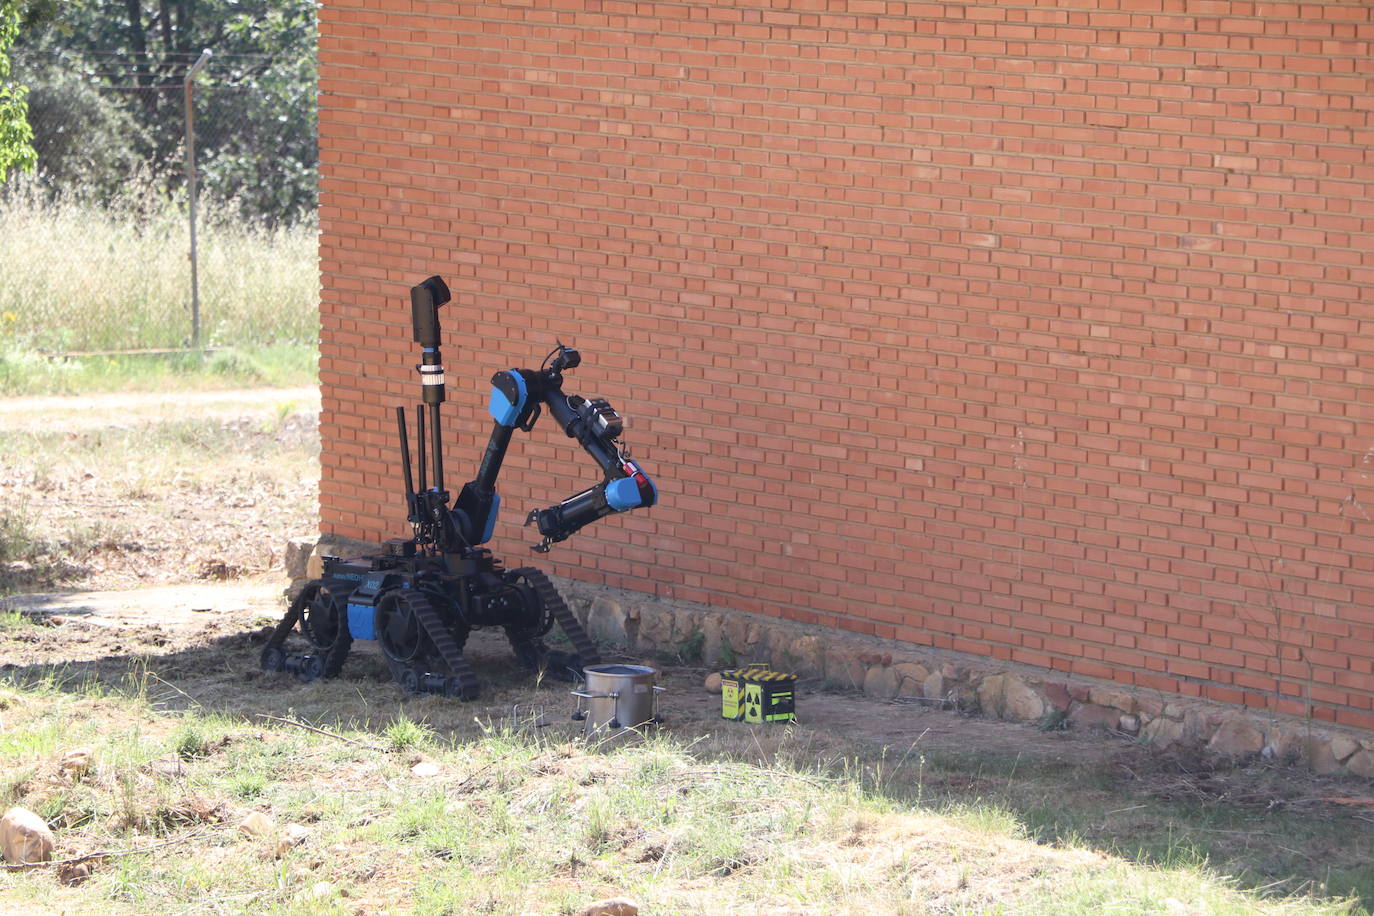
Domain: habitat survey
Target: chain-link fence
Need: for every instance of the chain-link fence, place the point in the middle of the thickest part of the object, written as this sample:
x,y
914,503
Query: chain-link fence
x,y
95,244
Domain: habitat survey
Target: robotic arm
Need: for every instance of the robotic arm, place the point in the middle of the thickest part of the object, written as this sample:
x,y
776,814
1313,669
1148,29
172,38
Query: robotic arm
x,y
517,398
597,427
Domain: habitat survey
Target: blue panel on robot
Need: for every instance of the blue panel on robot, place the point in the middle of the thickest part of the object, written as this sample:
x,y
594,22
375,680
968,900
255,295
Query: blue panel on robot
x,y
490,526
500,406
623,494
362,621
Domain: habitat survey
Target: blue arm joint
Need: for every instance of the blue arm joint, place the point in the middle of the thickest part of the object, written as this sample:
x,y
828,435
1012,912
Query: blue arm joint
x,y
502,410
625,494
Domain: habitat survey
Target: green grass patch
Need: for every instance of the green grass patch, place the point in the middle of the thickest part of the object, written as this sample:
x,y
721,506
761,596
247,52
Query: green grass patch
x,y
275,365
14,620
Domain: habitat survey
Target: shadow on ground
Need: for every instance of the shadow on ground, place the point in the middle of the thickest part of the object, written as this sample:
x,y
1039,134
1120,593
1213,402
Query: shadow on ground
x,y
1272,828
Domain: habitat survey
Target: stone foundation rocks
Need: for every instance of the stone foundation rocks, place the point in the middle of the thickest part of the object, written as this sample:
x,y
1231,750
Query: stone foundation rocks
x,y
880,669
885,671
691,633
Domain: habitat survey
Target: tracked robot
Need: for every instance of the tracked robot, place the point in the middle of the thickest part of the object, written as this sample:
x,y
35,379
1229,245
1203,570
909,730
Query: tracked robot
x,y
421,597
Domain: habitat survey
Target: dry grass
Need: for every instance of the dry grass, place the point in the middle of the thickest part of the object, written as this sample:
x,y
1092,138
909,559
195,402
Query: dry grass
x,y
81,277
516,820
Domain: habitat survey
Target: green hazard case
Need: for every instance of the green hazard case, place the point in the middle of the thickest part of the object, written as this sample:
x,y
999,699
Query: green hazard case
x,y
758,694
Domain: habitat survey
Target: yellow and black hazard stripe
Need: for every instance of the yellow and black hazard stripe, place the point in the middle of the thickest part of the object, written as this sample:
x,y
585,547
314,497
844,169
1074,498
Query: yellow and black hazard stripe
x,y
763,675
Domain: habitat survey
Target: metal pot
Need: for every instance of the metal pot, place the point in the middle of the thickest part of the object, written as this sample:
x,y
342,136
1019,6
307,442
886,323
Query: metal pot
x,y
619,698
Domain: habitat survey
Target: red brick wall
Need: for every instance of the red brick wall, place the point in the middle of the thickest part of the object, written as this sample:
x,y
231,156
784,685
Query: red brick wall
x,y
1040,332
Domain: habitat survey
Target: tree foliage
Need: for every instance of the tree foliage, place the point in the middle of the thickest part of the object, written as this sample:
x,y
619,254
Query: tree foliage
x,y
16,136
110,76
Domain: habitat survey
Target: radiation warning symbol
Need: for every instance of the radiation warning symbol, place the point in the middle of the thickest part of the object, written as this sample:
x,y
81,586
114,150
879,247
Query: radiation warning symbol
x,y
729,699
753,702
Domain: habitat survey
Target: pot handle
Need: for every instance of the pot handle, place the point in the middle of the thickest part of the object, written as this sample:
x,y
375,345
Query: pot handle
x,y
657,719
579,714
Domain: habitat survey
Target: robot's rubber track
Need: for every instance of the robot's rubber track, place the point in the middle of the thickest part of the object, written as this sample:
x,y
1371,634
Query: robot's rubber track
x,y
444,642
563,614
289,620
328,662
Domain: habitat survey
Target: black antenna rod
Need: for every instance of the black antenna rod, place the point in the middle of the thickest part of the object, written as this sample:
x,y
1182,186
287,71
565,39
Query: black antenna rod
x,y
402,434
420,444
436,446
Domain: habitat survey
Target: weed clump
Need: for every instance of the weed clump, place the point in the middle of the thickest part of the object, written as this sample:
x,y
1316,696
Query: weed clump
x,y
17,539
404,733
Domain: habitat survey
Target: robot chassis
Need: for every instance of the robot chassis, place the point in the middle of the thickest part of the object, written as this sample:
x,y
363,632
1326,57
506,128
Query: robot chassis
x,y
423,595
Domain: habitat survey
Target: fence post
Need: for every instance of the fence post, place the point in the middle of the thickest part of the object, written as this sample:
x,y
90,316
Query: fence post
x,y
191,194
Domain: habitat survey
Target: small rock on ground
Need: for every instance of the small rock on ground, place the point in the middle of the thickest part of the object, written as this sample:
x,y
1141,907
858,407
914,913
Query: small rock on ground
x,y
320,890
1361,764
77,761
25,837
292,835
74,873
617,906
257,824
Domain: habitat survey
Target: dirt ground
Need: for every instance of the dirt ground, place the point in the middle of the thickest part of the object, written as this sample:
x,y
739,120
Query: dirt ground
x,y
200,642
205,638
125,408
121,491
184,581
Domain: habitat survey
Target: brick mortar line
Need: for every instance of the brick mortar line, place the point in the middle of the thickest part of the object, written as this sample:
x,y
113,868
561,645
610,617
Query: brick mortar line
x,y
1343,471
1357,408
515,167
1055,474
875,188
1144,538
620,142
336,67
990,261
1352,144
941,62
875,236
399,377
1103,259
808,238
610,23
1087,289
748,351
1063,536
617,84
773,196
763,6
464,68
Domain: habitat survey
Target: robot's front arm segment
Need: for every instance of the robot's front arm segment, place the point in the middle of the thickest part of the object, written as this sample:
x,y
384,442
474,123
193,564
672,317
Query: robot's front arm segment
x,y
516,399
